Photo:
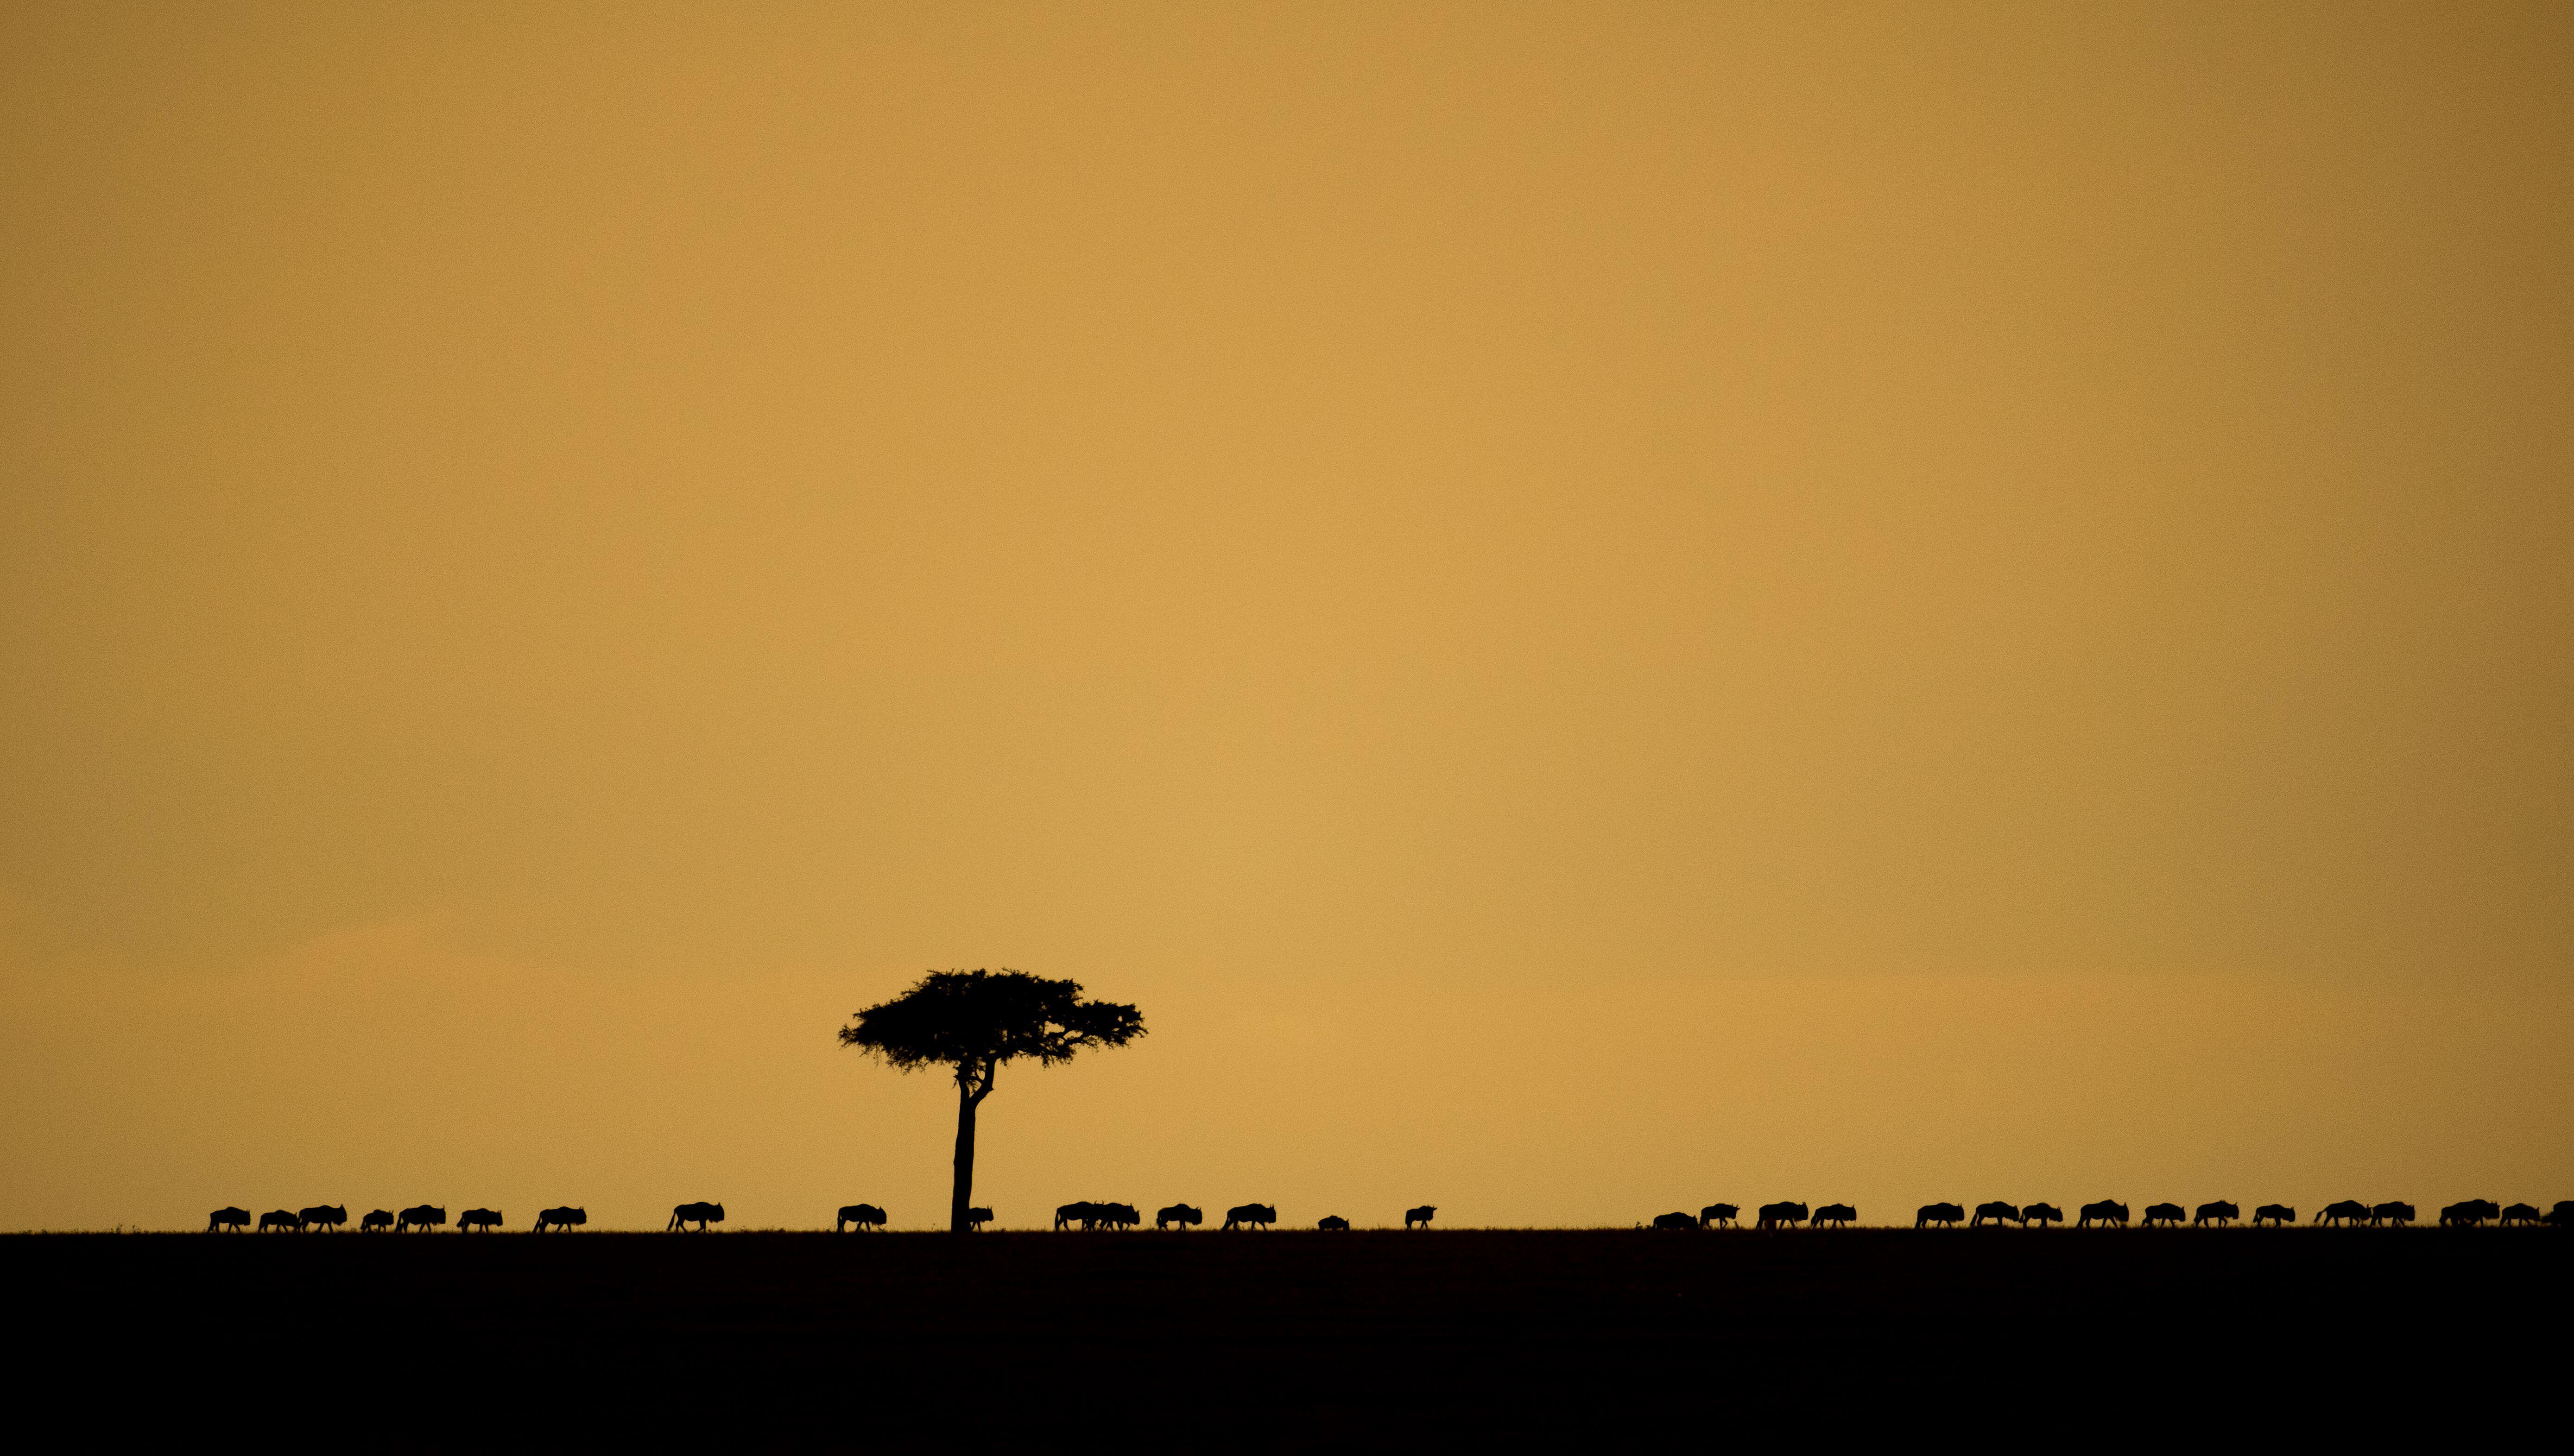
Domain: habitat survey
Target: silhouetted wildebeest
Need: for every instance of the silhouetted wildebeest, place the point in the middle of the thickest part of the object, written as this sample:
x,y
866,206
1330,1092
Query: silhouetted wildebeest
x,y
2346,1212
421,1216
325,1216
2108,1210
2041,1213
1996,1212
561,1218
1943,1214
1117,1216
1675,1220
380,1222
2273,1214
1250,1215
1839,1215
1179,1213
2469,1213
485,1219
864,1215
1084,1213
2398,1214
2169,1215
1773,1214
2219,1213
699,1214
1333,1223
2524,1214
284,1218
1419,1218
1715,1213
2562,1215
235,1219
975,1218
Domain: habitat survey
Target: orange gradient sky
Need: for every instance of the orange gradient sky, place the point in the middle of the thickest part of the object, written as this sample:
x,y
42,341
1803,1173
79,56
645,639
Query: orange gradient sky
x,y
1595,607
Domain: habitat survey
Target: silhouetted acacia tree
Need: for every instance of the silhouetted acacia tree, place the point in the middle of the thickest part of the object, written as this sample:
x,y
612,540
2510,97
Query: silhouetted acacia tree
x,y
974,1020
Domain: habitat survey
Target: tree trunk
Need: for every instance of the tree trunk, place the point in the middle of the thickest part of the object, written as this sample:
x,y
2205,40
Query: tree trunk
x,y
963,1198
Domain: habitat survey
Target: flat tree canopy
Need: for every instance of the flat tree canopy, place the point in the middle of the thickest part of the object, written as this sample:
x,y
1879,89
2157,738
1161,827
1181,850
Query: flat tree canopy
x,y
974,1020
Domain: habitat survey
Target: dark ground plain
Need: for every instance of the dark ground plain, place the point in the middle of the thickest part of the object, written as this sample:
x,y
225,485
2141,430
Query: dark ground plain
x,y
1295,1340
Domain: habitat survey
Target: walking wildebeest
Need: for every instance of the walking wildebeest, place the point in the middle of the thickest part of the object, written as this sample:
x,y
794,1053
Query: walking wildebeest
x,y
2164,1213
1333,1223
235,1219
1945,1214
864,1215
2219,1213
2398,1214
1774,1214
2524,1214
2562,1215
1839,1215
975,1218
699,1214
2469,1213
327,1216
1419,1218
2346,1212
1715,1213
2274,1215
561,1218
284,1218
1084,1213
421,1216
2108,1210
2041,1213
1674,1220
1117,1216
485,1219
1996,1212
1179,1213
1250,1215
380,1222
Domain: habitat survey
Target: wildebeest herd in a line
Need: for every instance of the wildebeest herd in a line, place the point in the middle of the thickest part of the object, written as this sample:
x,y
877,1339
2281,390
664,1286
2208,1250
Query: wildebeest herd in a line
x,y
1092,1217
1115,1216
2348,1213
862,1216
329,1217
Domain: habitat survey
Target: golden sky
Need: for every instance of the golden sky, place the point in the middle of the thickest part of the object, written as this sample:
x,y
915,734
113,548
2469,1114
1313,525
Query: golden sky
x,y
1594,606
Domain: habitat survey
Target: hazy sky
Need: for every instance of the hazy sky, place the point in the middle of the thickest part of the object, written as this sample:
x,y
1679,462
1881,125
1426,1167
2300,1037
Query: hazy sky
x,y
1596,608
